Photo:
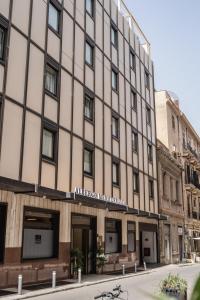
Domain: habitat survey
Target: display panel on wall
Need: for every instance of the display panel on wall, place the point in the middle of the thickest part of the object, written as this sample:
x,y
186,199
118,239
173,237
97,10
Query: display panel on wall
x,y
40,234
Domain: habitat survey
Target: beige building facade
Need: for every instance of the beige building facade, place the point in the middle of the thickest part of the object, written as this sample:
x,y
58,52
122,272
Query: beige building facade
x,y
177,134
78,139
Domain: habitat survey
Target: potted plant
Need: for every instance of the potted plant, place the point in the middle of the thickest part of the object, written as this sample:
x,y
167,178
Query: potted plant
x,y
100,259
174,286
77,261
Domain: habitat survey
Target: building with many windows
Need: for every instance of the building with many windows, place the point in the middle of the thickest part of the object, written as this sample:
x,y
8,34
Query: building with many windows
x,y
77,138
177,134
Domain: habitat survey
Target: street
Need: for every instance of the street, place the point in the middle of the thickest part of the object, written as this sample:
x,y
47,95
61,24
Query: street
x,y
138,287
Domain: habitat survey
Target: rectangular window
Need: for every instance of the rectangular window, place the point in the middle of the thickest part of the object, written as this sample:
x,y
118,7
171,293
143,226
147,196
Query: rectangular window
x,y
177,190
132,60
88,161
114,37
90,7
148,111
48,145
131,233
135,141
115,127
114,80
134,100
151,188
115,169
113,242
40,234
2,42
89,108
51,79
135,181
150,153
89,55
173,122
54,17
3,215
146,79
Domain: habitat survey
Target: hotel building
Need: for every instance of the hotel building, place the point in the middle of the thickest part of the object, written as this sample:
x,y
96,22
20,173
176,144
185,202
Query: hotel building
x,y
77,138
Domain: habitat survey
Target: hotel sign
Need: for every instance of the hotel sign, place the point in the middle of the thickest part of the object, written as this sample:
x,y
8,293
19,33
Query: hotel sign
x,y
98,196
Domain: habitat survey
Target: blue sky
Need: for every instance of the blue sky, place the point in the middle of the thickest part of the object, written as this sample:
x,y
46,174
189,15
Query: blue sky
x,y
173,29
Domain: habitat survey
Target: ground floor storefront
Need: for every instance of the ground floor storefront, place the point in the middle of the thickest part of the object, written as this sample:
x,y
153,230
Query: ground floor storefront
x,y
171,235
39,235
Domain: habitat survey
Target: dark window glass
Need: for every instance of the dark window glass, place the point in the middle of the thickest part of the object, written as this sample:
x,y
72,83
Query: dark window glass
x,y
40,234
134,100
88,161
131,233
114,80
150,153
113,243
135,182
135,141
2,42
151,189
148,110
48,146
51,79
89,54
54,17
90,7
115,127
89,110
115,168
3,215
147,83
173,122
114,36
132,62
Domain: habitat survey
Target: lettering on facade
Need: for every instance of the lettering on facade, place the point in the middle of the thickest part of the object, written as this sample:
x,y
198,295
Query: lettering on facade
x,y
93,195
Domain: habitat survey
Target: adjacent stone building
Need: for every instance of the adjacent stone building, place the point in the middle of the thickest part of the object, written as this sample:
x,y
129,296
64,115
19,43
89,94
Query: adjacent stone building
x,y
178,135
78,160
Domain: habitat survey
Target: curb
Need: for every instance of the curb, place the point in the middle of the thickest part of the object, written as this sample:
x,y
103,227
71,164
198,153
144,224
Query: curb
x,y
73,286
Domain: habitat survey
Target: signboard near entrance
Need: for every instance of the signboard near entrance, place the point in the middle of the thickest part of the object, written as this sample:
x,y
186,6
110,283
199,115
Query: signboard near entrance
x,y
98,196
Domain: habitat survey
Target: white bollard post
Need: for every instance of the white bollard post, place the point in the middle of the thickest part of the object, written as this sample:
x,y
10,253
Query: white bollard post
x,y
123,270
20,280
145,266
53,279
79,275
135,267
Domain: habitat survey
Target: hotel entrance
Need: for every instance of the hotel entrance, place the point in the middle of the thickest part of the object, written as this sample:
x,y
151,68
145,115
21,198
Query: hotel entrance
x,y
84,237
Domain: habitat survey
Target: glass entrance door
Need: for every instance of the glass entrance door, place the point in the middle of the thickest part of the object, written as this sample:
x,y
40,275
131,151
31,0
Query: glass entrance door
x,y
84,239
3,213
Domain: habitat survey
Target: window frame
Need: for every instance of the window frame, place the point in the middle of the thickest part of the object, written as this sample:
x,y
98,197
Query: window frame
x,y
173,123
132,60
150,152
51,127
148,115
137,189
135,141
118,231
90,43
89,148
114,30
134,232
91,14
134,100
151,189
91,97
116,73
116,118
147,79
58,7
115,162
54,66
4,27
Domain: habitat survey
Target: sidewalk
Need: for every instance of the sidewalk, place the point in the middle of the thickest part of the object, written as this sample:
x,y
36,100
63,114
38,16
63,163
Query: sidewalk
x,y
86,281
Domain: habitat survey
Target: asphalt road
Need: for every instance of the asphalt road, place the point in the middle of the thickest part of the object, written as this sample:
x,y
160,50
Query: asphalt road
x,y
138,287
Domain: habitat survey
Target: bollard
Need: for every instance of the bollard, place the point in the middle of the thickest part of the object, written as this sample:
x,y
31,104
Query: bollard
x,y
79,275
123,270
145,266
53,279
135,267
20,279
